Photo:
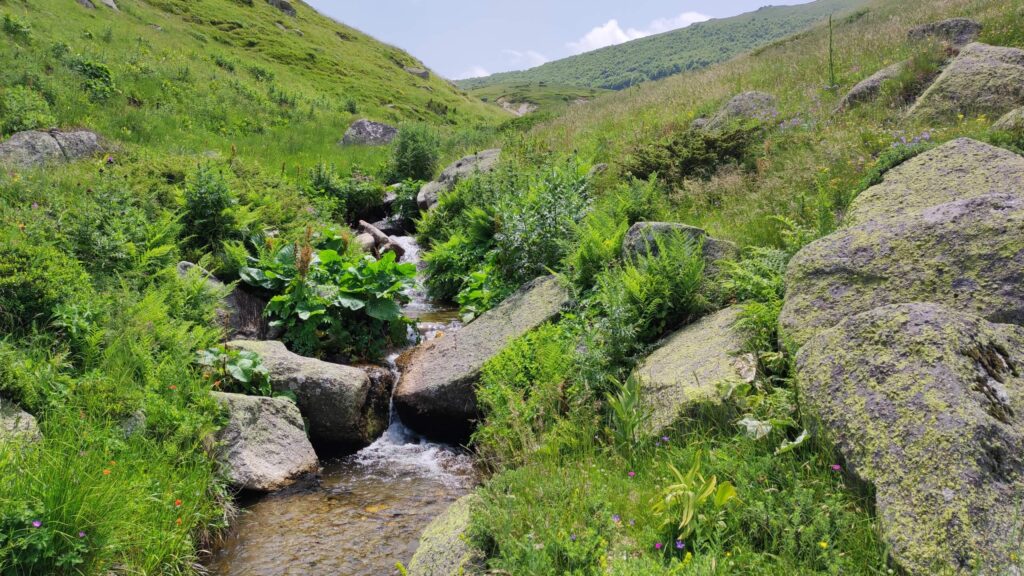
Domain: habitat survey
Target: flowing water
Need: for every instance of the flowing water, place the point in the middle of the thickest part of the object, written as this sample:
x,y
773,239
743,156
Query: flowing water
x,y
366,510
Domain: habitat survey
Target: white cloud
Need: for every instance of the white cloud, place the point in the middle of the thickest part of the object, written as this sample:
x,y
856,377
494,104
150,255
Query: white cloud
x,y
527,59
473,72
611,32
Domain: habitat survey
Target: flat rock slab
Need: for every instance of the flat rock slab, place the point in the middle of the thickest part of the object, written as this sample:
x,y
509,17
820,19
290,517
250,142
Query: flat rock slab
x,y
688,368
36,148
956,31
927,405
264,446
1012,122
436,395
16,424
443,550
871,87
341,403
369,133
983,79
946,227
479,163
748,106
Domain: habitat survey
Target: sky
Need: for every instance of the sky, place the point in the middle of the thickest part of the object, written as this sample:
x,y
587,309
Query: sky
x,y
466,38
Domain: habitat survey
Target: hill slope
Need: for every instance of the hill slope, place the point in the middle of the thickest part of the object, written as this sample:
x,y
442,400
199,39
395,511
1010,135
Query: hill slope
x,y
691,48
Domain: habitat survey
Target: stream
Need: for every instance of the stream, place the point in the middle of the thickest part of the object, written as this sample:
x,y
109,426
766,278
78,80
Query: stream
x,y
366,510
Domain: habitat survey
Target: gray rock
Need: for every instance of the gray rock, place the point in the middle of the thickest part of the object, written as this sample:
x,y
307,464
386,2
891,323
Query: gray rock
x,y
366,242
36,148
87,4
641,238
868,89
393,226
435,394
982,79
369,133
420,72
1011,122
483,162
756,106
341,404
16,424
945,227
956,31
263,447
926,404
284,6
241,311
110,4
690,365
443,550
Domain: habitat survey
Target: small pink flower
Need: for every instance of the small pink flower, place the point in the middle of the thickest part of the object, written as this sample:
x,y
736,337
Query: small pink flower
x,y
836,467
657,546
37,524
632,474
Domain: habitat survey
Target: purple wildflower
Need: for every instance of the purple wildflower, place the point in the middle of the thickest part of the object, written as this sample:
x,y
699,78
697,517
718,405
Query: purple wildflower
x,y
680,545
836,467
81,534
631,474
572,537
657,546
36,524
616,518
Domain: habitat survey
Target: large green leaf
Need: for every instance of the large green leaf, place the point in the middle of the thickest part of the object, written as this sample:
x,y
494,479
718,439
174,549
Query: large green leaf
x,y
386,310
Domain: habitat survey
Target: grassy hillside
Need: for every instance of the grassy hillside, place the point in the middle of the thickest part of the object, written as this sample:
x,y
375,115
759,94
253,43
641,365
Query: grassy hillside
x,y
541,96
691,48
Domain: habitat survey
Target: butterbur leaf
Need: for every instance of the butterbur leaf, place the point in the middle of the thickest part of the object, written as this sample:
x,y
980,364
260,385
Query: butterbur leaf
x,y
237,373
350,302
386,310
329,256
755,429
788,446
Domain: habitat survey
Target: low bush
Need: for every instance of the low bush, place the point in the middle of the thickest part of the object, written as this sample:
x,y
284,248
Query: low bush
x,y
22,108
35,279
695,153
209,219
346,199
415,153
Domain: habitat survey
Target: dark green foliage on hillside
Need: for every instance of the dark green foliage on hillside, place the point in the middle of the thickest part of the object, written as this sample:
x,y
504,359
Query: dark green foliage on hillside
x,y
692,48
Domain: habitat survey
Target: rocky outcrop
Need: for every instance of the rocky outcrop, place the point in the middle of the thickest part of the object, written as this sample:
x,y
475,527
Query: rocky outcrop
x,y
87,4
868,89
749,106
110,4
435,395
241,312
443,550
982,79
263,447
1011,122
341,403
945,227
482,162
418,72
16,424
284,6
35,148
643,237
956,31
369,133
927,404
690,365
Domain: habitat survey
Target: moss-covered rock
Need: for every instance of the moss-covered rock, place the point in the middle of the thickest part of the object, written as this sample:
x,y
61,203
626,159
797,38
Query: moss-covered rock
x,y
436,393
956,31
869,88
946,227
642,238
927,405
983,79
1011,122
16,425
690,365
443,550
748,106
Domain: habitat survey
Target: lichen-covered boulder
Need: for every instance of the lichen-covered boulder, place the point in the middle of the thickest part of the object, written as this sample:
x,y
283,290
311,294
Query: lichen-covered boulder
x,y
927,404
435,394
642,238
263,447
946,227
688,368
284,6
956,31
1013,121
16,424
479,163
982,79
369,133
746,106
868,89
443,550
36,148
418,72
341,403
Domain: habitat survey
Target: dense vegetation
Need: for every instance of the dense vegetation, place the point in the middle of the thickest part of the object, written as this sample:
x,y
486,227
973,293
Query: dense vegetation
x,y
692,48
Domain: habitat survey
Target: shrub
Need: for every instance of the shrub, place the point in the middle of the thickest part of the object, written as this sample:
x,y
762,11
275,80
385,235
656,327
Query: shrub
x,y
16,28
239,371
22,108
695,153
405,204
34,280
347,199
98,80
415,153
208,219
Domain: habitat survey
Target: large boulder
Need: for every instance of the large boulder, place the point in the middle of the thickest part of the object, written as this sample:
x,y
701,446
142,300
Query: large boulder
x,y
946,227
263,447
341,403
690,365
748,106
436,395
369,133
868,89
241,312
419,72
16,424
1012,122
982,79
284,6
642,239
956,31
926,404
35,148
443,550
482,162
